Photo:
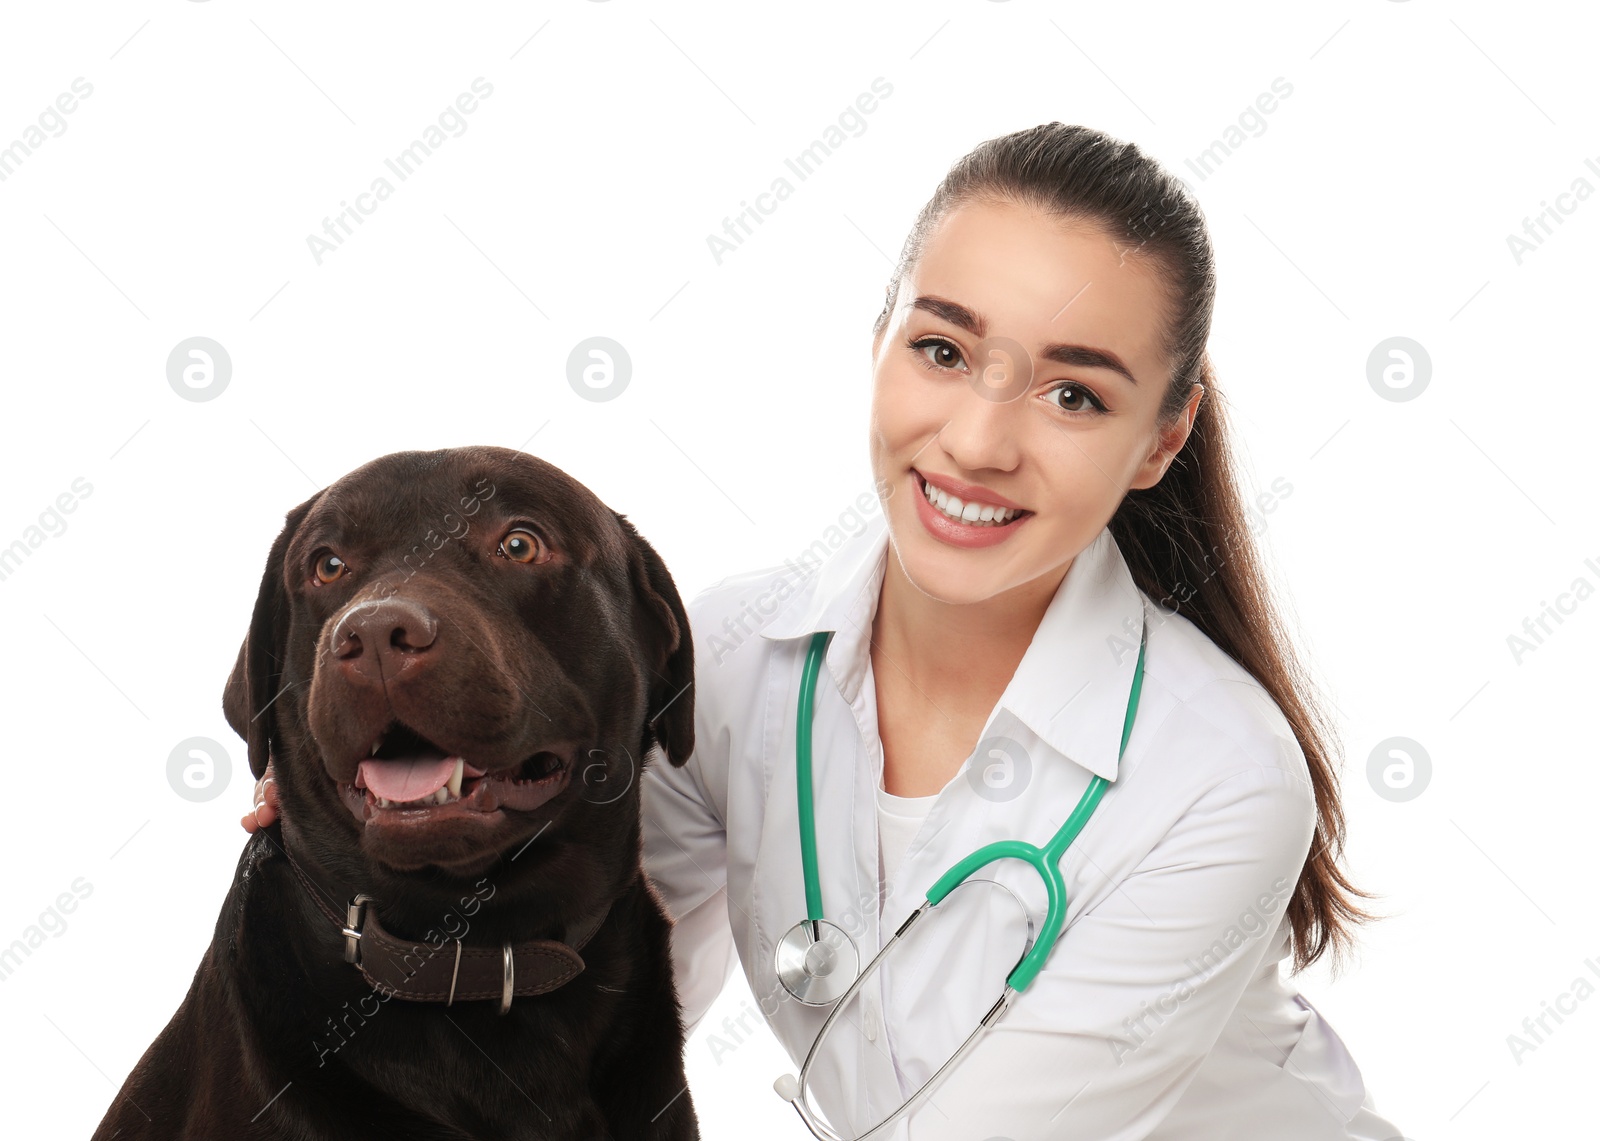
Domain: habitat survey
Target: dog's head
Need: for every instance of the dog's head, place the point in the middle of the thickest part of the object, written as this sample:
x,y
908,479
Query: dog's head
x,y
459,654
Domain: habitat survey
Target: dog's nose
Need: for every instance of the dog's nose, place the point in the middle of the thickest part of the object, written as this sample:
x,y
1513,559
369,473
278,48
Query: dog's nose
x,y
376,640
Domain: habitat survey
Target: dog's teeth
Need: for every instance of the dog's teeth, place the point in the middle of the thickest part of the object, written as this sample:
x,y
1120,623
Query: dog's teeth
x,y
382,803
375,745
441,796
455,778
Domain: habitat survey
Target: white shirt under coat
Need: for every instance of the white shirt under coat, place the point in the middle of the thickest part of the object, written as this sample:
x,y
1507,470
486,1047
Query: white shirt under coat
x,y
1162,1012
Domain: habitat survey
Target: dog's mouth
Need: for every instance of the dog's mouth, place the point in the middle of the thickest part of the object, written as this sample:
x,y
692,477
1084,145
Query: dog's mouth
x,y
406,778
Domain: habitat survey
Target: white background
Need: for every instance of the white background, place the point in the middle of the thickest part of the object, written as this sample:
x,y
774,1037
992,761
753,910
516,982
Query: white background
x,y
1376,203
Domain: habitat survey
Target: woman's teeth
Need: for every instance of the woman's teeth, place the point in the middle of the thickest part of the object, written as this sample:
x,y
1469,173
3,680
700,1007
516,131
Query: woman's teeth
x,y
973,513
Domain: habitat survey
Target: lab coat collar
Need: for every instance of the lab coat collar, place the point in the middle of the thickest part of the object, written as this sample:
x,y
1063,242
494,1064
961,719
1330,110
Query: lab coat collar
x,y
1071,687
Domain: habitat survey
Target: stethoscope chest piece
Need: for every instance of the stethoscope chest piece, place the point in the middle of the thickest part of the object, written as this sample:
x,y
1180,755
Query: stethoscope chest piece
x,y
816,962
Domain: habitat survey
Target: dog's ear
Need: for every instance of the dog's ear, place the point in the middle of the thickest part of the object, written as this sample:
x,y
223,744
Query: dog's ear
x,y
671,722
253,684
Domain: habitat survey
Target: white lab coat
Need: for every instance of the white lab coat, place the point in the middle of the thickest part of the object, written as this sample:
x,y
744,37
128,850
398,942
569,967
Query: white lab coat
x,y
1160,1014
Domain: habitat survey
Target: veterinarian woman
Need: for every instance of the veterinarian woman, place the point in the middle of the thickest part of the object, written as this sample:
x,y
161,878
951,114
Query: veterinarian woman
x,y
1052,613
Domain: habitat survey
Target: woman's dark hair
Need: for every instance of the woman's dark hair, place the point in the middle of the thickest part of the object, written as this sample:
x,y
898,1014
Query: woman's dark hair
x,y
1187,540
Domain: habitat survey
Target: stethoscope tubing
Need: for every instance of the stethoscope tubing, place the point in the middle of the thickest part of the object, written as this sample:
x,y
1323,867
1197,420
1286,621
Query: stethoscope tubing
x,y
808,819
1044,860
820,1128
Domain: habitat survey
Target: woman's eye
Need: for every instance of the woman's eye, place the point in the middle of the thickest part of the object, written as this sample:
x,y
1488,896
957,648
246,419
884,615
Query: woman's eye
x,y
1070,398
329,567
1087,404
945,355
521,545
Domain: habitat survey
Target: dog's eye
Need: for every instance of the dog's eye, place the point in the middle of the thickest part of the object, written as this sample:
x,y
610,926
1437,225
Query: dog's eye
x,y
328,567
521,545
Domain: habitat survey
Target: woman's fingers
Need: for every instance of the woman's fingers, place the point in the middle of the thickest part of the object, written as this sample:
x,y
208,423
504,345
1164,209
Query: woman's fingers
x,y
265,806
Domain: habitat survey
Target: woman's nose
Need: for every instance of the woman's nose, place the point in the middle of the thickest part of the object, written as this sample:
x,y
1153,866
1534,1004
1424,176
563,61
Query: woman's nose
x,y
984,429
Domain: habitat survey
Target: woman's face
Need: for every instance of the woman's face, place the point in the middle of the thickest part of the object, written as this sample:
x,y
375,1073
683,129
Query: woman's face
x,y
999,378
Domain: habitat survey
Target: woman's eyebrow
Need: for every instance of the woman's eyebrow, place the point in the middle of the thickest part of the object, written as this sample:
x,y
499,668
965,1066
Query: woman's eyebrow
x,y
1081,356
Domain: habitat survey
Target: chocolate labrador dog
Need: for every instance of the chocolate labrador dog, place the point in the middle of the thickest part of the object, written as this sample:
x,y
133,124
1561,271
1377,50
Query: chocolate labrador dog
x,y
458,663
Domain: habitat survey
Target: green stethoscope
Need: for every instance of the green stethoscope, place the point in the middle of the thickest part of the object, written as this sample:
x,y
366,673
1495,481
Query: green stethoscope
x,y
816,960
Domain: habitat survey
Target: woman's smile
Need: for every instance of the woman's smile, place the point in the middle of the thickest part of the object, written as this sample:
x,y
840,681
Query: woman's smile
x,y
980,521
985,380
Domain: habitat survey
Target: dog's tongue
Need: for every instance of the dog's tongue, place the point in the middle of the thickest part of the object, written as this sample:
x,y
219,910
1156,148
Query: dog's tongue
x,y
409,778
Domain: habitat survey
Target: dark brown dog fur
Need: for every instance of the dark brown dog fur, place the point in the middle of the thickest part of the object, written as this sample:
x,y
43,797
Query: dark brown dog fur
x,y
278,1036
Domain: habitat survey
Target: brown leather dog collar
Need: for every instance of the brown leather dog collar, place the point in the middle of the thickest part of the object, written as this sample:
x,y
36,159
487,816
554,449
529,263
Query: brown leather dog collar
x,y
422,972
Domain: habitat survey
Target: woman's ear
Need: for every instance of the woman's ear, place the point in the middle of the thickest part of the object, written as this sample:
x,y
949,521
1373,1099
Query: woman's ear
x,y
671,723
253,684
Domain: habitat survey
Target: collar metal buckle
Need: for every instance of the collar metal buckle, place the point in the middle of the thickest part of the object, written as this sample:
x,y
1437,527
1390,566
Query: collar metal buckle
x,y
352,927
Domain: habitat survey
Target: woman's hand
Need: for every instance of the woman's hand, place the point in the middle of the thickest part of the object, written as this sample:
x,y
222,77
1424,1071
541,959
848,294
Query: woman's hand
x,y
266,802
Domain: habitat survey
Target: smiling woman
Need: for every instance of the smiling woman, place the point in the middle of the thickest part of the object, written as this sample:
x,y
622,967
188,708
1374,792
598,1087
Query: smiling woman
x,y
1047,439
